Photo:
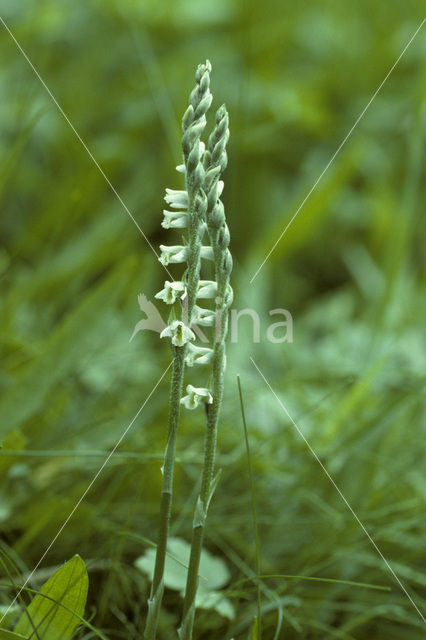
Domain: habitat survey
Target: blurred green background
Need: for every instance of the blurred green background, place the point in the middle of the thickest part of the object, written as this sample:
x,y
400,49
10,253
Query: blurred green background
x,y
350,269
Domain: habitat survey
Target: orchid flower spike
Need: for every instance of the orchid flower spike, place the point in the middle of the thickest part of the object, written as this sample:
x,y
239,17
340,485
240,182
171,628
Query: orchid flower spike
x,y
198,210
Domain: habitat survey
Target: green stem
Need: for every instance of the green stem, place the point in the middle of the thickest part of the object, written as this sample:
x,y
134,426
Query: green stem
x,y
207,483
157,586
200,515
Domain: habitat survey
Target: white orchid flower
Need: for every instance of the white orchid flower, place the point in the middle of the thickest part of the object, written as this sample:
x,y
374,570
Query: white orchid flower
x,y
206,289
198,355
178,253
175,219
196,396
171,292
176,198
178,332
173,254
203,317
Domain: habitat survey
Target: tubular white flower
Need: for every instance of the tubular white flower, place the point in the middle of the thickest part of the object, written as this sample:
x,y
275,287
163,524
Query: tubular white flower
x,y
173,254
171,291
203,317
198,355
207,289
176,198
175,219
196,396
178,332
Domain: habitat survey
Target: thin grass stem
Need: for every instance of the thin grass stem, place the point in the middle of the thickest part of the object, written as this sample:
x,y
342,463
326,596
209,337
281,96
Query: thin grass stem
x,y
254,513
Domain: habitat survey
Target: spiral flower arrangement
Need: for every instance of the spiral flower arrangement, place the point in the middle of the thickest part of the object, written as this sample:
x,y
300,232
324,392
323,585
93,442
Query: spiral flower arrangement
x,y
199,210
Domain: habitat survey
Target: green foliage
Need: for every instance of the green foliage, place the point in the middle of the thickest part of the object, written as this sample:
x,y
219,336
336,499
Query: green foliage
x,y
350,268
8,614
254,630
57,609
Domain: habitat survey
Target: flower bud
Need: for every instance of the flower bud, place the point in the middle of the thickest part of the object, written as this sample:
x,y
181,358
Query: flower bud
x,y
204,105
227,263
188,117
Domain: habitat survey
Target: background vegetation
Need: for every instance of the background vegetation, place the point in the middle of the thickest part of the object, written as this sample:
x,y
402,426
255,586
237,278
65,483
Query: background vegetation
x,y
351,269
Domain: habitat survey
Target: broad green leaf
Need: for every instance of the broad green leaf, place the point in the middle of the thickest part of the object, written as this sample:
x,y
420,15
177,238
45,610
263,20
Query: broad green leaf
x,y
10,635
56,610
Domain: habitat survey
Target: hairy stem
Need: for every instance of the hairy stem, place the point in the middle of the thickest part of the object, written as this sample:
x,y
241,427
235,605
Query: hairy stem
x,y
166,493
200,516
